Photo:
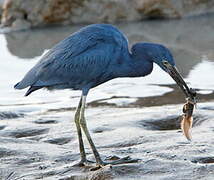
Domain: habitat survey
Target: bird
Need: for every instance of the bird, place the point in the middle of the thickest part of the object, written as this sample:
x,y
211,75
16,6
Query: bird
x,y
92,56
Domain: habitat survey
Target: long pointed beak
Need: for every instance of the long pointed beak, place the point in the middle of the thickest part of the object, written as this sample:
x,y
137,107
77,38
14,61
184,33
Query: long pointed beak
x,y
173,72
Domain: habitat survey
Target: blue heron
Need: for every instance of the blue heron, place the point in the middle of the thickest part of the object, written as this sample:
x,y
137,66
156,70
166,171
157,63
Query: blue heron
x,y
89,57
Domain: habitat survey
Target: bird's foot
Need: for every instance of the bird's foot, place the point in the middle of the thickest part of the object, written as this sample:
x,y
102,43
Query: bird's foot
x,y
84,162
114,160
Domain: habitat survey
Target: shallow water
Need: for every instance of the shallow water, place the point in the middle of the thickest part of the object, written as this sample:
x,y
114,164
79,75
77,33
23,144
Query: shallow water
x,y
38,135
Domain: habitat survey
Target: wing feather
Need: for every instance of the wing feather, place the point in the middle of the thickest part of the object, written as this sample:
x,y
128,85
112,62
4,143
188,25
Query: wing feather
x,y
83,56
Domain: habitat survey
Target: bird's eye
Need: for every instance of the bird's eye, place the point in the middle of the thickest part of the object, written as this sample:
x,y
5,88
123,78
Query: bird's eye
x,y
165,62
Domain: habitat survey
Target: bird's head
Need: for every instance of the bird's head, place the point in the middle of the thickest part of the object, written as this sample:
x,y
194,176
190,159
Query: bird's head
x,y
162,56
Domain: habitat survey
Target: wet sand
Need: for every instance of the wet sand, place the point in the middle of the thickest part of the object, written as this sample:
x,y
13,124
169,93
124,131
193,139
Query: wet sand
x,y
46,145
137,117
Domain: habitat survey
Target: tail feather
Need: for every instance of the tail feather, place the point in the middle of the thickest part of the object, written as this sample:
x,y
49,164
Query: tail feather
x,y
17,86
32,89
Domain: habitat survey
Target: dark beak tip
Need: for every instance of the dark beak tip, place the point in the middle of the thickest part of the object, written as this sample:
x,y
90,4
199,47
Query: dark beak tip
x,y
190,93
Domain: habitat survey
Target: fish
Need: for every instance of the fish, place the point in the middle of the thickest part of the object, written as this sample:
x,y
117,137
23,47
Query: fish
x,y
187,119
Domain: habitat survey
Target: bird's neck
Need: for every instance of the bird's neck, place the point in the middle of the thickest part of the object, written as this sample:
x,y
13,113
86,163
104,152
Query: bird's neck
x,y
131,66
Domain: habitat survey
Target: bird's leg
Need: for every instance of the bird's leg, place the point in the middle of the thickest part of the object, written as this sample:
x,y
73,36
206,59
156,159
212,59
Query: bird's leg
x,y
81,145
99,161
88,136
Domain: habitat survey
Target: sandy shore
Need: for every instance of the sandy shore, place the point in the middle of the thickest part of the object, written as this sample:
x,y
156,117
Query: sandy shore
x,y
46,145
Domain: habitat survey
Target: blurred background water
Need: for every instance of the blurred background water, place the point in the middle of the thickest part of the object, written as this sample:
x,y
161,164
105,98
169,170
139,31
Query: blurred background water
x,y
191,41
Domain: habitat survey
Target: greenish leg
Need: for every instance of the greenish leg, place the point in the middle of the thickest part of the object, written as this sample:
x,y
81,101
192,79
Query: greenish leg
x,y
86,131
81,145
100,163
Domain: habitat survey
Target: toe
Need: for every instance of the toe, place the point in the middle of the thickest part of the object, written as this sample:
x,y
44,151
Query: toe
x,y
84,163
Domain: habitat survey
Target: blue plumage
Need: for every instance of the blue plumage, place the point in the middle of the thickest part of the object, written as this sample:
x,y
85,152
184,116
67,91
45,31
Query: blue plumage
x,y
93,55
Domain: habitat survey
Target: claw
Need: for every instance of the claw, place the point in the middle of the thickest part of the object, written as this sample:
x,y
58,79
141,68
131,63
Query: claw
x,y
124,160
111,162
96,168
83,163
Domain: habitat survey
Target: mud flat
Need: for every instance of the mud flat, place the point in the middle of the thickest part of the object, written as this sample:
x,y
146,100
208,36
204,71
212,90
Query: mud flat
x,y
45,145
